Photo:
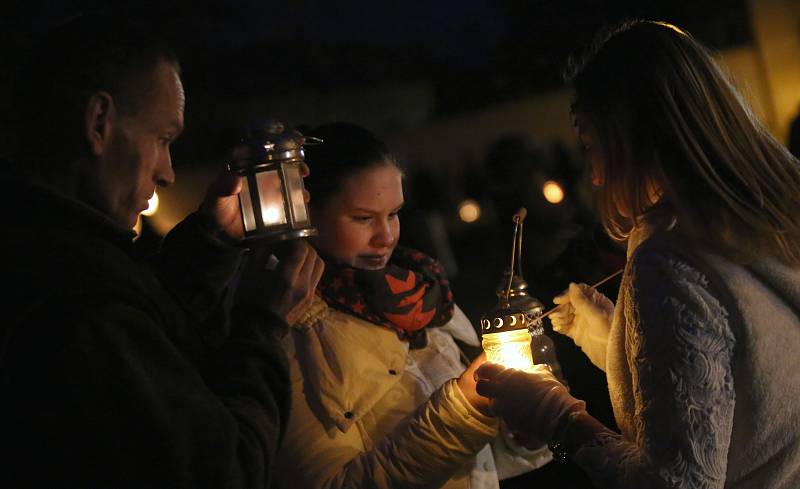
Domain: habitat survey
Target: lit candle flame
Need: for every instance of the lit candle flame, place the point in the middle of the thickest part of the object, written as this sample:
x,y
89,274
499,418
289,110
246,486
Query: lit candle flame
x,y
272,215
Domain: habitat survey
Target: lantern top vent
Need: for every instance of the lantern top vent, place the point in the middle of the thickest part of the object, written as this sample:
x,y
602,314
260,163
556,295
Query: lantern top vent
x,y
267,142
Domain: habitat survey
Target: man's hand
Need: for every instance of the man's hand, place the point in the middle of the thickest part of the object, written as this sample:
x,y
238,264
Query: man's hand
x,y
283,283
298,273
219,211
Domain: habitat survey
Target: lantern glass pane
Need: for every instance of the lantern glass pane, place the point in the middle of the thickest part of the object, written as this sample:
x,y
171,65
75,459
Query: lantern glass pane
x,y
270,194
246,204
511,349
294,185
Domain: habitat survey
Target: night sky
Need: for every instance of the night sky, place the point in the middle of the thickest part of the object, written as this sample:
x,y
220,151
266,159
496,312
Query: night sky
x,y
472,53
475,52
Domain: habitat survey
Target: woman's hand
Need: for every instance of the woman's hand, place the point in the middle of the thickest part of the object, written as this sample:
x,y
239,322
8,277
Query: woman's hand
x,y
467,381
533,404
585,316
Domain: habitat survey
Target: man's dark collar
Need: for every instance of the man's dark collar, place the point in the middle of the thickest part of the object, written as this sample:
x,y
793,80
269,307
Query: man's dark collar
x,y
34,202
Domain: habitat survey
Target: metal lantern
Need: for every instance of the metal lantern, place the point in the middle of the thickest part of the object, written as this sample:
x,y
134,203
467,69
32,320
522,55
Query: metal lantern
x,y
542,346
512,332
505,334
272,199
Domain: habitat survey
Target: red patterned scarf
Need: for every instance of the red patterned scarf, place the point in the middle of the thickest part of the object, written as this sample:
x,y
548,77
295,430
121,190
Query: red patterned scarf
x,y
411,293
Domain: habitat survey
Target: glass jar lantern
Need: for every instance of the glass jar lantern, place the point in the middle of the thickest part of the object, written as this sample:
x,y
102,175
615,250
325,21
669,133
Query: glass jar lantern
x,y
506,338
512,332
517,297
272,201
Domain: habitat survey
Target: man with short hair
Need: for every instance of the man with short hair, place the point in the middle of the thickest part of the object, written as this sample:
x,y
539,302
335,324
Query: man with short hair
x,y
115,372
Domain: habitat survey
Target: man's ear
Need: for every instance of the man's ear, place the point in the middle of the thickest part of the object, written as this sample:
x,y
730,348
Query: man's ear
x,y
99,118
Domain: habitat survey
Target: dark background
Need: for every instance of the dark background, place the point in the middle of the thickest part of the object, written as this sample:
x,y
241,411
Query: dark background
x,y
473,53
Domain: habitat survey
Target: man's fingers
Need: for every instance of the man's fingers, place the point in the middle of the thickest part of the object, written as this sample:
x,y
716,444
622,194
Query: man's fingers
x,y
226,183
309,263
302,271
316,276
304,172
293,259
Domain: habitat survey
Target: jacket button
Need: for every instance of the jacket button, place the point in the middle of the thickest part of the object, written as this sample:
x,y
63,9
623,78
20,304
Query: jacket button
x,y
348,414
392,371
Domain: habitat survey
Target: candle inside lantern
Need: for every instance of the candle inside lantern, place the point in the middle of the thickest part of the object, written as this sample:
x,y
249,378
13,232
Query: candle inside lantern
x,y
510,343
511,349
270,193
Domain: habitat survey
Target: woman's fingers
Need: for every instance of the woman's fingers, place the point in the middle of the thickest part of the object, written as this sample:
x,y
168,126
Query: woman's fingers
x,y
488,370
562,318
561,298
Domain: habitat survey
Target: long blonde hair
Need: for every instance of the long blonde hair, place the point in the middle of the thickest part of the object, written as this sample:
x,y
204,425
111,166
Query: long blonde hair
x,y
664,110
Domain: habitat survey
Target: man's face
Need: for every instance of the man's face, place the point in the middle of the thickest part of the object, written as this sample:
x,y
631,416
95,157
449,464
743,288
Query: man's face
x,y
137,157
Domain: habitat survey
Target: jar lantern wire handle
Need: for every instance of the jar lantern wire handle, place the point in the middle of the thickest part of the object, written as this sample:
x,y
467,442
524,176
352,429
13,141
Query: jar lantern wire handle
x,y
516,250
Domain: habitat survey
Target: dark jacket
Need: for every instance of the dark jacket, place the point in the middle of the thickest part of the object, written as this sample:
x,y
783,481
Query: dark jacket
x,y
116,374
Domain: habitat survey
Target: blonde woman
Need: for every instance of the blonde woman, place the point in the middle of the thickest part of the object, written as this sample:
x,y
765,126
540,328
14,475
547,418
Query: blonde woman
x,y
700,350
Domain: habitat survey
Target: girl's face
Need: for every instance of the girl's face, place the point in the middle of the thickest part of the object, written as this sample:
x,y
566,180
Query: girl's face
x,y
590,145
359,225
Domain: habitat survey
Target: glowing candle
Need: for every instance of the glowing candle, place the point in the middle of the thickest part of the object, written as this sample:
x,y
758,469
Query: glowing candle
x,y
507,340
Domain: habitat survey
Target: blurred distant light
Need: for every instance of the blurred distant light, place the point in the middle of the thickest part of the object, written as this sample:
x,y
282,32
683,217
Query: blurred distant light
x,y
469,210
553,192
152,205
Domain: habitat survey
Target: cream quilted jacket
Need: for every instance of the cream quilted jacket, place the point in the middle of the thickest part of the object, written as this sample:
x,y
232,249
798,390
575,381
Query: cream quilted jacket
x,y
367,412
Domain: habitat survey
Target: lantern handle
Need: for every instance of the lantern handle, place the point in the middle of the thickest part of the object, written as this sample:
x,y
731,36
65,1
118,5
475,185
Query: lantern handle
x,y
516,248
312,141
519,218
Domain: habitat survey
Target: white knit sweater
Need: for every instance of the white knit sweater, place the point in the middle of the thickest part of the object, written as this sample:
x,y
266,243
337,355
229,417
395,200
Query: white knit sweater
x,y
703,371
